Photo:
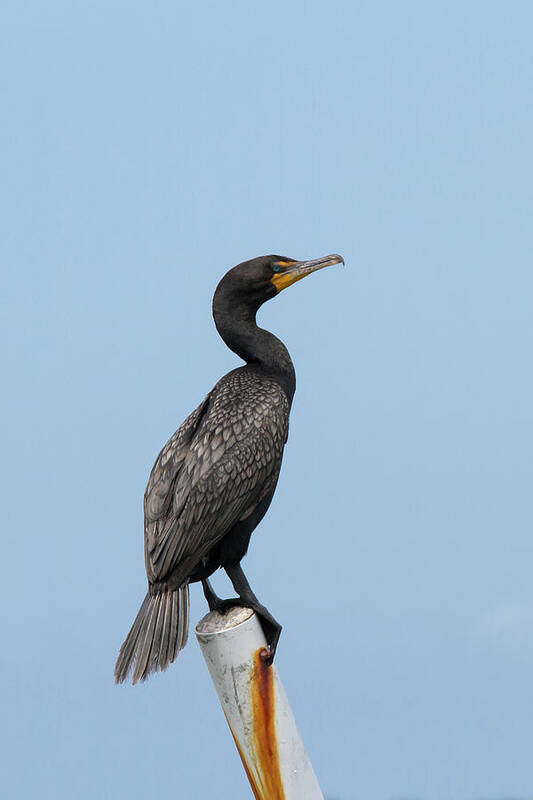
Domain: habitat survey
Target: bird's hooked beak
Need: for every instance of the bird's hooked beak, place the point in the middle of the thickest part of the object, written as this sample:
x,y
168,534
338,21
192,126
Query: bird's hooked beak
x,y
292,271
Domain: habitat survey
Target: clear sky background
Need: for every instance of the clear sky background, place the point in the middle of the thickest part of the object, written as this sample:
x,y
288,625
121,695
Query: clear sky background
x,y
146,148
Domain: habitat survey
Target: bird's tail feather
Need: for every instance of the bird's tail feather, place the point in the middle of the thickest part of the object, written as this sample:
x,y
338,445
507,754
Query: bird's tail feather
x,y
158,634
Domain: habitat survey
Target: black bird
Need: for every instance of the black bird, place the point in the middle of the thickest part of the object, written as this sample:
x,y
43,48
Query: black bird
x,y
213,481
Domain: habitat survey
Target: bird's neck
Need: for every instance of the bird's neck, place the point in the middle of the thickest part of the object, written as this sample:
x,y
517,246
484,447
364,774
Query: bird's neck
x,y
259,348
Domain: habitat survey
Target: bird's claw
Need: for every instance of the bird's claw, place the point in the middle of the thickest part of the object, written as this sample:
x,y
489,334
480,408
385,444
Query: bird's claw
x,y
267,656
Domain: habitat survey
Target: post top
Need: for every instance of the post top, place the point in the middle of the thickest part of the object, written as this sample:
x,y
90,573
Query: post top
x,y
216,622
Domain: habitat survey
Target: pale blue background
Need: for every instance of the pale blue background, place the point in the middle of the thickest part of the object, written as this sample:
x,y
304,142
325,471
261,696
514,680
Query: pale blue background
x,y
146,148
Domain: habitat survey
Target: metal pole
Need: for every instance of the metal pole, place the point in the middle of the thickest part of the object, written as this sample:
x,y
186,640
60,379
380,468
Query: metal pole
x,y
256,707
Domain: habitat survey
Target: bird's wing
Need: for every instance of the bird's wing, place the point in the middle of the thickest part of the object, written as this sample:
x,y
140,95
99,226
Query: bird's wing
x,y
232,461
158,494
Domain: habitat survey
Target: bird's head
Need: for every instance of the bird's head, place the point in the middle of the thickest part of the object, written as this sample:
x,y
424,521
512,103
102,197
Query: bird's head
x,y
253,282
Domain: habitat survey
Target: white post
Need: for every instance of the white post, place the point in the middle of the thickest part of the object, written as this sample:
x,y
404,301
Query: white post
x,y
256,707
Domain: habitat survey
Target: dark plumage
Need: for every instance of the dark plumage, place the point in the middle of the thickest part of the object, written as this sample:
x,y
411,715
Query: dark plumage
x,y
213,481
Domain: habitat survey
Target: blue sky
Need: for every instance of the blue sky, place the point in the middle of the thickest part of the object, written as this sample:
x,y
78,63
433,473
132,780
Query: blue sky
x,y
146,148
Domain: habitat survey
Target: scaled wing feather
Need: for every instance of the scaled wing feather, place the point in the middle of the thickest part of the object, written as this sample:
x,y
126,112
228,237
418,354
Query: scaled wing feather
x,y
212,472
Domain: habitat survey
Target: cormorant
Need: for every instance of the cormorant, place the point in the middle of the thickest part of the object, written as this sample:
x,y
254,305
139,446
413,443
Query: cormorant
x,y
213,481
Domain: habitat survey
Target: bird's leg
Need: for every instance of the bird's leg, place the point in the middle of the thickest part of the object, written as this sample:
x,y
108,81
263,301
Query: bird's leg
x,y
210,595
271,628
215,602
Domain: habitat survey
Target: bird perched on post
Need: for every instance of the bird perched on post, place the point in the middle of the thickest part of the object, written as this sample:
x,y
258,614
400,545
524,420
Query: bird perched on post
x,y
213,481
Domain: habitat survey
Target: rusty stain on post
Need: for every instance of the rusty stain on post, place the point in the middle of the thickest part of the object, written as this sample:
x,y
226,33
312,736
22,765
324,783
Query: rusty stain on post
x,y
265,742
249,775
264,774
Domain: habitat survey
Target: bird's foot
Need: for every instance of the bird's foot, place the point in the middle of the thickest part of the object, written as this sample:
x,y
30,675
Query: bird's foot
x,y
247,599
271,628
223,606
272,631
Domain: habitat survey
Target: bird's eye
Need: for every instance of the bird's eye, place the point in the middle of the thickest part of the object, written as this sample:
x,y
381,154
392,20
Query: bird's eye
x,y
276,267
